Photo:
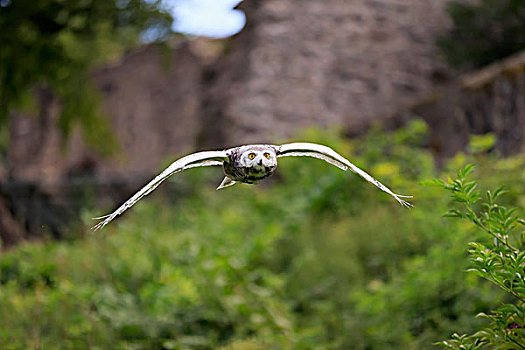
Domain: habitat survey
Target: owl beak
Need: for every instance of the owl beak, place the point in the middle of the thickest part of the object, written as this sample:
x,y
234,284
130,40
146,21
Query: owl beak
x,y
260,162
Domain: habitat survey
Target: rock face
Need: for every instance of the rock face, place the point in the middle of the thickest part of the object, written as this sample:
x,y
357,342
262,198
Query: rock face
x,y
153,101
312,62
296,64
489,100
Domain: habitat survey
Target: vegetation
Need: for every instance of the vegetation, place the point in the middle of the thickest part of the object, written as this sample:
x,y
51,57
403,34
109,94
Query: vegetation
x,y
483,32
500,260
53,44
315,259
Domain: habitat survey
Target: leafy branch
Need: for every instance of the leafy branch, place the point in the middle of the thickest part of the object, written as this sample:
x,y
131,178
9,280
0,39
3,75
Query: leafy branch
x,y
502,262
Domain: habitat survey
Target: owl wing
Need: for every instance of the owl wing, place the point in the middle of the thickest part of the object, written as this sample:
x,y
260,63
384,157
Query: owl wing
x,y
207,158
305,149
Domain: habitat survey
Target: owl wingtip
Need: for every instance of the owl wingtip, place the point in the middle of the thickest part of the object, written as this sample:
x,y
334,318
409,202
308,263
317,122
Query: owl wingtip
x,y
403,202
101,217
406,204
99,226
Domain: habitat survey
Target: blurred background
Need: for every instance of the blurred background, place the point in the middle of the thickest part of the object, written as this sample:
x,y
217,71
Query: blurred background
x,y
98,96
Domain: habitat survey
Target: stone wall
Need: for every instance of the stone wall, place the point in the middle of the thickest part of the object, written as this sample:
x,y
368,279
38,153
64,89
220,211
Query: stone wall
x,y
321,63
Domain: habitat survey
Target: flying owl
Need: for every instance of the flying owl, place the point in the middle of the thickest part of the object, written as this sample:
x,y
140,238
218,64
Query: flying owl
x,y
248,164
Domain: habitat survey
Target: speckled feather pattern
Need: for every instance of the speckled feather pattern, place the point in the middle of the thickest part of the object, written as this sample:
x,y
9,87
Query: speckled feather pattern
x,y
237,172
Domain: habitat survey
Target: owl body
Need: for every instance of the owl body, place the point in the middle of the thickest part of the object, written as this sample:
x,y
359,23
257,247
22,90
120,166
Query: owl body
x,y
251,163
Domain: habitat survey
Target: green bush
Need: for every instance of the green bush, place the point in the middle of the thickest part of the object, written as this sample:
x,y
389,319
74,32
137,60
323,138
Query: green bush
x,y
314,258
500,260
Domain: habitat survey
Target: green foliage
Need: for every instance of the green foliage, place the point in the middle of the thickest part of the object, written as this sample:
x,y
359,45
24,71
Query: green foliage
x,y
53,43
483,32
314,258
500,260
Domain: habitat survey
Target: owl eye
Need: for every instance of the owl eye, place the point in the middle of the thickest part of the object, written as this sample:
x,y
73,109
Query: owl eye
x,y
267,155
251,155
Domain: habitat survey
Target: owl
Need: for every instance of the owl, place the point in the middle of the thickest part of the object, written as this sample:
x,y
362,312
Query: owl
x,y
248,164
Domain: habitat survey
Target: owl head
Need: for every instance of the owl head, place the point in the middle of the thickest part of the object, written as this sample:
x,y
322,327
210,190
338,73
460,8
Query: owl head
x,y
258,157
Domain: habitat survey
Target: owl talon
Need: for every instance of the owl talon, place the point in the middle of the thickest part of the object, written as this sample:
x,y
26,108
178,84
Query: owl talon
x,y
226,182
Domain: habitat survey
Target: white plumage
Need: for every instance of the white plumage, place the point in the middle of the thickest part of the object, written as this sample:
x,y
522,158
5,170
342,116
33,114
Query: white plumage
x,y
248,164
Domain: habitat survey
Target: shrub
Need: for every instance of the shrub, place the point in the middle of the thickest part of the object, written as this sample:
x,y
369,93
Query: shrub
x,y
499,259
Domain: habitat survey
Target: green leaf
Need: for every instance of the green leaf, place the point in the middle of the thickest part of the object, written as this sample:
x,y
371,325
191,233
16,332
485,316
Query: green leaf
x,y
466,170
434,182
454,213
